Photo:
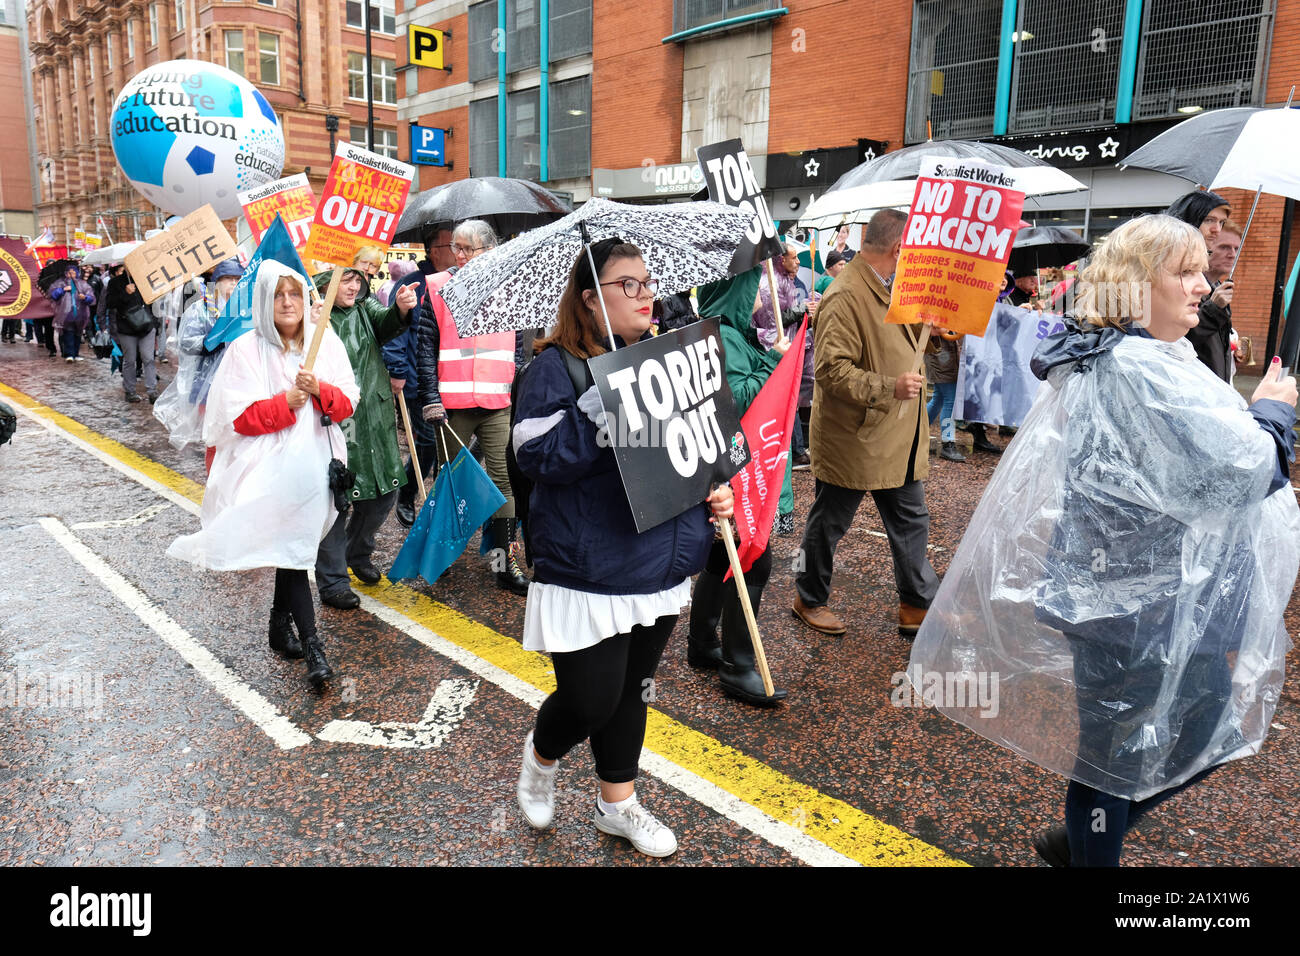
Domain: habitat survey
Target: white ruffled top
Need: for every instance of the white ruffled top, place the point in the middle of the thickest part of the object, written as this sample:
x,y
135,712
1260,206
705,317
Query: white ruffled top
x,y
559,619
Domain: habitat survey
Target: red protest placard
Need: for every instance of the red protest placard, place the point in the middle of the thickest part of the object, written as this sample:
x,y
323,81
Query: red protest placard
x,y
956,244
292,198
360,206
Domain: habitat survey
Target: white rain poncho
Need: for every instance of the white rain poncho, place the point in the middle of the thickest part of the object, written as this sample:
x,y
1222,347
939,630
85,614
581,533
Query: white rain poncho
x,y
181,404
268,502
1121,585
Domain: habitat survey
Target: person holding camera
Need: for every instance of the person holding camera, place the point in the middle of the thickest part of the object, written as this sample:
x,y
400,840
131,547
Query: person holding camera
x,y
275,429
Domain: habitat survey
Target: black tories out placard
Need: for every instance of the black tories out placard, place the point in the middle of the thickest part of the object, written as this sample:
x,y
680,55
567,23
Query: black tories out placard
x,y
731,180
671,419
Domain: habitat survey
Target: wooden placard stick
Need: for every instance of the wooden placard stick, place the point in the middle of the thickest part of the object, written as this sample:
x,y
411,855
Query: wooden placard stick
x,y
410,443
324,322
760,658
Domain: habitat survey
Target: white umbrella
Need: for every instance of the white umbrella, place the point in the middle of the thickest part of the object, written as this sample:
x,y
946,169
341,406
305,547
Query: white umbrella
x,y
106,254
857,203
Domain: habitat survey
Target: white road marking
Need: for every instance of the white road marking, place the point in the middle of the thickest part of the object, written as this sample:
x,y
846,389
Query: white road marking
x,y
174,497
774,831
798,844
253,705
445,711
137,519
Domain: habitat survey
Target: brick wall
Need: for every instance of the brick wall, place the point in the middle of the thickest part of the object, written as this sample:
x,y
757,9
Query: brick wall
x,y
636,86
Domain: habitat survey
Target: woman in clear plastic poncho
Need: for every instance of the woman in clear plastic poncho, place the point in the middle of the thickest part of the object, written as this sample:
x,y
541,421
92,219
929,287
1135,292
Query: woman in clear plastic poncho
x,y
268,501
1117,599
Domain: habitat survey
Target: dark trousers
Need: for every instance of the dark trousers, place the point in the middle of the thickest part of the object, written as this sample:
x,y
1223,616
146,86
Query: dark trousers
x,y
45,334
907,525
601,694
9,329
351,540
426,450
798,443
1096,821
71,340
293,594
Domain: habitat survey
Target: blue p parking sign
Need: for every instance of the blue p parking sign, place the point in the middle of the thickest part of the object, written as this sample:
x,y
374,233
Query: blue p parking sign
x,y
428,146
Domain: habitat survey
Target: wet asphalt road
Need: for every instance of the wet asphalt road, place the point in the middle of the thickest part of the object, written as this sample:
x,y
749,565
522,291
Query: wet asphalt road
x,y
155,764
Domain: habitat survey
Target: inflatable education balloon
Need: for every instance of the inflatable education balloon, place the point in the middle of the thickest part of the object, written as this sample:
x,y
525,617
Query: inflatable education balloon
x,y
188,132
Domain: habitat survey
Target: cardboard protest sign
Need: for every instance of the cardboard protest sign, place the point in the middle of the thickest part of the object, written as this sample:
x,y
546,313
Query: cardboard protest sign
x,y
994,382
956,244
671,420
395,254
290,198
363,198
731,180
194,245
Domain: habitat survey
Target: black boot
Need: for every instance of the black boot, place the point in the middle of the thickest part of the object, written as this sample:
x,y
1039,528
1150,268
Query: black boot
x,y
283,640
982,442
512,578
703,649
739,670
318,668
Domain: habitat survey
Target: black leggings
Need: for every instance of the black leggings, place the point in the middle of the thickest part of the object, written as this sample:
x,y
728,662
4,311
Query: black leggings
x,y
601,693
293,594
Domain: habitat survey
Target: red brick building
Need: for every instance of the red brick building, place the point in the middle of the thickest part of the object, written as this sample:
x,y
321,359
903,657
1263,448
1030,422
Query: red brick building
x,y
16,198
306,56
810,86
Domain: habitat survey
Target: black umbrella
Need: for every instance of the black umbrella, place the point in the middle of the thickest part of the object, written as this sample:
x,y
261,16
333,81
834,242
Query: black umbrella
x,y
1195,148
53,272
906,164
508,205
1044,247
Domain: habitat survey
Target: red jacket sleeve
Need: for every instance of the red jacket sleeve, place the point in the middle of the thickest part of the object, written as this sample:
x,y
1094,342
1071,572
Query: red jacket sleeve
x,y
333,402
267,416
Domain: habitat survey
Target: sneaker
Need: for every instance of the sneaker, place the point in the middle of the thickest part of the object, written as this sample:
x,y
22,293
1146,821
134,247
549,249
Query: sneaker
x,y
68,358
132,397
78,358
637,824
536,790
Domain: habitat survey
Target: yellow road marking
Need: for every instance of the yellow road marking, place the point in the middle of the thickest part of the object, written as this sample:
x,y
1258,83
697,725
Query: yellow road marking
x,y
831,821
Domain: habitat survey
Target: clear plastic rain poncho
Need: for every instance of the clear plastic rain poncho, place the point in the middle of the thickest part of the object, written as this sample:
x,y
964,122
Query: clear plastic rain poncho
x,y
1121,585
268,502
180,406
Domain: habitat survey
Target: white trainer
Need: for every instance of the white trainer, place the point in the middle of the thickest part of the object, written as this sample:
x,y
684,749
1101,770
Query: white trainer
x,y
637,824
536,791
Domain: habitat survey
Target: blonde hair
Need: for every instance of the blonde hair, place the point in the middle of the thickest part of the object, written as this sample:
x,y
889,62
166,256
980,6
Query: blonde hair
x,y
300,337
368,254
1115,285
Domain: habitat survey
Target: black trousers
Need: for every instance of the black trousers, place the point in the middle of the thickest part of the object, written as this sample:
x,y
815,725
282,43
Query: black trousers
x,y
601,694
907,525
293,594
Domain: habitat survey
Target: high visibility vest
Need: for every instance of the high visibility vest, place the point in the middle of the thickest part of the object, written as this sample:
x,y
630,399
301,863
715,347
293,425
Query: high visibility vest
x,y
473,372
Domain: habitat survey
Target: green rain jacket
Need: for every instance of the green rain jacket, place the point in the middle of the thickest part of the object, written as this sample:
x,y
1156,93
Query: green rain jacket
x,y
372,430
748,365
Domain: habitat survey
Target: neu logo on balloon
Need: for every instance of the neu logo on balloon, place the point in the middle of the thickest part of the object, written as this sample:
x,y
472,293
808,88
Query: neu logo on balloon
x,y
187,133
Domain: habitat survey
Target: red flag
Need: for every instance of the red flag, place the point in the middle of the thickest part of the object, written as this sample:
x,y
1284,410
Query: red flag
x,y
767,424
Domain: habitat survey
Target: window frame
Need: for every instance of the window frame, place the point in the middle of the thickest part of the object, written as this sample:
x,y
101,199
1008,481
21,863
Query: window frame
x,y
377,9
153,24
260,54
242,51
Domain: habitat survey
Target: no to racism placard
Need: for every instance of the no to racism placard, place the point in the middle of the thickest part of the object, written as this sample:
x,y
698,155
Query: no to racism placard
x,y
731,180
362,201
193,245
292,198
956,244
671,419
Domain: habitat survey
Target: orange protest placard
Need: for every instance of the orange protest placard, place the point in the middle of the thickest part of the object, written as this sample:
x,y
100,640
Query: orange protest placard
x,y
360,206
292,198
956,244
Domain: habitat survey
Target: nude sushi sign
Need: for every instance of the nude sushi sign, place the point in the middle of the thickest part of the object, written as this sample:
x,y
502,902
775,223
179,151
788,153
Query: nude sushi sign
x,y
671,420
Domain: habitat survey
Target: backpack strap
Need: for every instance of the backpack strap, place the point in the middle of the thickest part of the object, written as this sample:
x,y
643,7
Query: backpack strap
x,y
579,373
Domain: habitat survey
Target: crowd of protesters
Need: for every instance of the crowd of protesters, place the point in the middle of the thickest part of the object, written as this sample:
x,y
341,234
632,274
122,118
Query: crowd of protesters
x,y
604,610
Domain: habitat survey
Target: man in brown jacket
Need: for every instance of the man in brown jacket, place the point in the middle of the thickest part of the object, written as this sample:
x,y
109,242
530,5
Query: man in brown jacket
x,y
860,443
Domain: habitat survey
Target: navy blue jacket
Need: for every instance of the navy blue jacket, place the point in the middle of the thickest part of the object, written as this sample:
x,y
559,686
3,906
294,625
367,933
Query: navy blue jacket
x,y
580,525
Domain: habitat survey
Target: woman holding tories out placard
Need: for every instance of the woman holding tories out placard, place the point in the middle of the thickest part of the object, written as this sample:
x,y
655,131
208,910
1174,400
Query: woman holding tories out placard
x,y
605,598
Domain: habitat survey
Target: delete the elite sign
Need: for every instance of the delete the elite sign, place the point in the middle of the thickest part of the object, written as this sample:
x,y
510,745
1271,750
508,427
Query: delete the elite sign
x,y
671,420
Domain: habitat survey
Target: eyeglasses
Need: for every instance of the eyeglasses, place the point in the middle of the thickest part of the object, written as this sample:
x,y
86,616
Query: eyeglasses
x,y
465,250
632,287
